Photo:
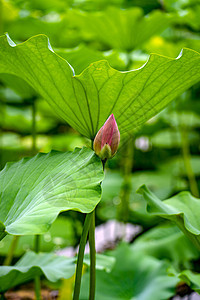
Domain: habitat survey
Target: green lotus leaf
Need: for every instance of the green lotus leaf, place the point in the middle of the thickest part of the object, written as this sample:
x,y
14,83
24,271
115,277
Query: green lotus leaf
x,y
120,29
53,267
182,209
85,101
167,242
35,190
134,276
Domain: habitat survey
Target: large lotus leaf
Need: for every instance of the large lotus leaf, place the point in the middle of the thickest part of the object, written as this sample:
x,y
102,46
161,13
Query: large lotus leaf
x,y
167,242
120,29
86,100
134,276
31,264
183,209
34,190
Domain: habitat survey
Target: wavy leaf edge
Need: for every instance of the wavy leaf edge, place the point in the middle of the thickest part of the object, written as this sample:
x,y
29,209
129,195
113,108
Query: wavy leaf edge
x,y
144,190
47,43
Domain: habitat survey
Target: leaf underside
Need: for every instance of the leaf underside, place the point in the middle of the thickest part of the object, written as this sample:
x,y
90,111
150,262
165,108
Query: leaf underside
x,y
85,101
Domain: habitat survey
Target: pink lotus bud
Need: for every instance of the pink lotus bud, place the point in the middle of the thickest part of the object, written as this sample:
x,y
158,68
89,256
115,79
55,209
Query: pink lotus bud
x,y
107,139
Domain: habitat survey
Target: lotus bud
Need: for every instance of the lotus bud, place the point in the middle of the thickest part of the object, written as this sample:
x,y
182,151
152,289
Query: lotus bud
x,y
107,139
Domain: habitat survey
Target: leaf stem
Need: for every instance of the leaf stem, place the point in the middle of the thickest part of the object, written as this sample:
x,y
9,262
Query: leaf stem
x,y
126,187
37,288
34,135
187,161
37,243
37,278
11,251
92,257
79,265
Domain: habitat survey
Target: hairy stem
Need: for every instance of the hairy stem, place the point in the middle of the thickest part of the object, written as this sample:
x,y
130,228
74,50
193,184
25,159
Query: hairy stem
x,y
79,265
92,257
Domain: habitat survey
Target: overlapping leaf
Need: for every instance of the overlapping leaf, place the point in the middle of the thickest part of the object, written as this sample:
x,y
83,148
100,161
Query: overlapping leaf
x,y
167,242
31,264
183,209
85,101
134,276
53,267
34,190
81,57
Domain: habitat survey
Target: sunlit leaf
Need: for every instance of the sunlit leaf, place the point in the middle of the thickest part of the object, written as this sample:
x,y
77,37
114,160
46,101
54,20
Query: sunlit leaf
x,y
34,190
85,101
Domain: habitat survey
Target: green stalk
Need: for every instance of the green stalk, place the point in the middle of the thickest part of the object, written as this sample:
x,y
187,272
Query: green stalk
x,y
125,192
37,288
79,265
33,127
37,278
187,162
92,257
11,251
